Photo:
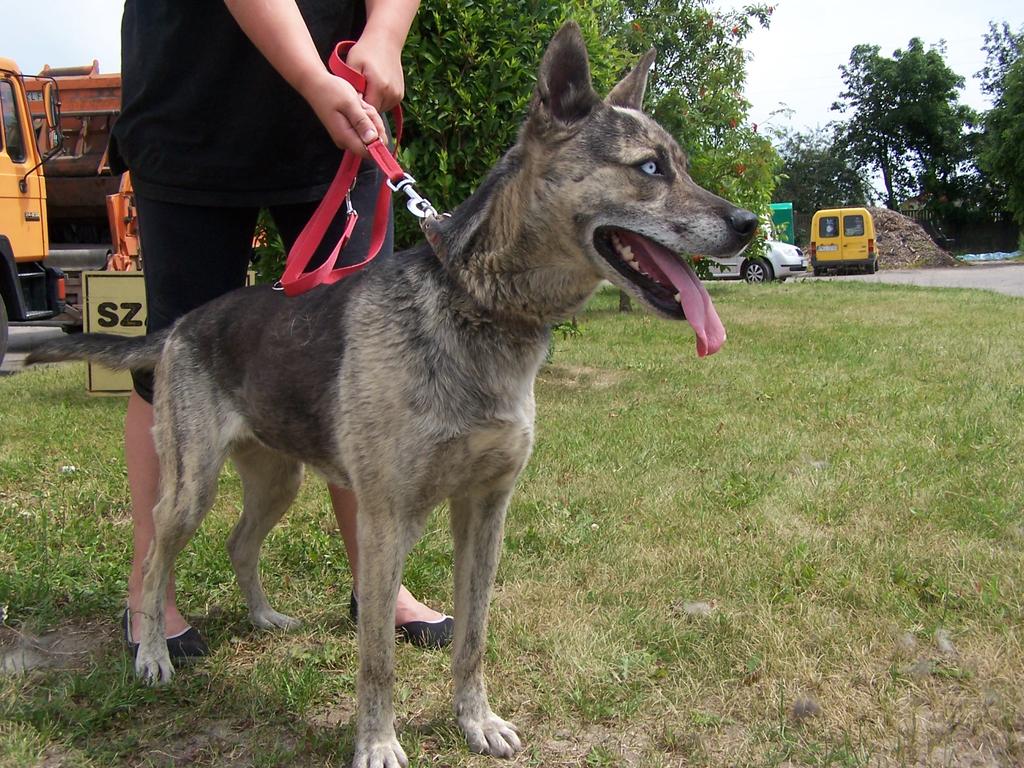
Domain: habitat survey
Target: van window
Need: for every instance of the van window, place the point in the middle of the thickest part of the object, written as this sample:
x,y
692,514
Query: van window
x,y
12,126
853,226
828,226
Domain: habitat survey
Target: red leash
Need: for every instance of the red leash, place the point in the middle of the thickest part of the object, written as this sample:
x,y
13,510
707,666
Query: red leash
x,y
296,279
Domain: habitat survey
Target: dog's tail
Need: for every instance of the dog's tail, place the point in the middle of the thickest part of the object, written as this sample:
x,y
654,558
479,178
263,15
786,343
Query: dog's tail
x,y
117,352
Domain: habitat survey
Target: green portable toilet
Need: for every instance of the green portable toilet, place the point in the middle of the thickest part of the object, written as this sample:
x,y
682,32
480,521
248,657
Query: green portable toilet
x,y
782,221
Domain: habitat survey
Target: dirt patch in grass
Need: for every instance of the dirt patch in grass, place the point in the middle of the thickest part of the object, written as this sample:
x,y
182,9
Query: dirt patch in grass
x,y
581,376
596,745
332,715
959,707
214,742
73,646
951,732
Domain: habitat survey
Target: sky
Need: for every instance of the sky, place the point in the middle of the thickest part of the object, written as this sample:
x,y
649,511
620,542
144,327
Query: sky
x,y
795,63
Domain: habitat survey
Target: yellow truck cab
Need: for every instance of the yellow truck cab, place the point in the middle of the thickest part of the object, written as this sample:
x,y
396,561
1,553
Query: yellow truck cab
x,y
81,216
843,238
29,290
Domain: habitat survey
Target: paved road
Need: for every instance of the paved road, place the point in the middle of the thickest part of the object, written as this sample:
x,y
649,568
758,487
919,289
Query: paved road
x,y
21,342
1001,278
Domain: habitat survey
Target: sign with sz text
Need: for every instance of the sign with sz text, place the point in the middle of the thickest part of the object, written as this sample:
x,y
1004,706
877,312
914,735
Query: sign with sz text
x,y
115,302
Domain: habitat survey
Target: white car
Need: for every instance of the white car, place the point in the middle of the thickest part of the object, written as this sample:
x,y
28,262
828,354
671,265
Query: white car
x,y
781,261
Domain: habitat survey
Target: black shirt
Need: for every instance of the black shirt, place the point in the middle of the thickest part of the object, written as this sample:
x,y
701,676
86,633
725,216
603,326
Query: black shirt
x,y
206,120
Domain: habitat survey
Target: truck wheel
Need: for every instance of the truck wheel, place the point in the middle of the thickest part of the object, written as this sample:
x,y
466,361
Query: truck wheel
x,y
818,271
3,329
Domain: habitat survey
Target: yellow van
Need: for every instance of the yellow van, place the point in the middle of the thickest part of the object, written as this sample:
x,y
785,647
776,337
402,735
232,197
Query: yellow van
x,y
843,238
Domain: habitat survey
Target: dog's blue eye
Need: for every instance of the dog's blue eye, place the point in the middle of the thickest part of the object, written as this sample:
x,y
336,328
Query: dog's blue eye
x,y
651,168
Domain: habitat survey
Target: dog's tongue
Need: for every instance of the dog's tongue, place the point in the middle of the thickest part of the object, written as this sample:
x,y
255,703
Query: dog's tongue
x,y
662,264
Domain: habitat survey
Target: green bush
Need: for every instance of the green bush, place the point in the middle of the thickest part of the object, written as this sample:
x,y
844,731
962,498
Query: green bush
x,y
470,72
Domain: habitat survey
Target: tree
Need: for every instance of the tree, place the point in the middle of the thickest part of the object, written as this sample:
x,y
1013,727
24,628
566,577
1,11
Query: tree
x,y
817,172
1002,48
1002,152
905,120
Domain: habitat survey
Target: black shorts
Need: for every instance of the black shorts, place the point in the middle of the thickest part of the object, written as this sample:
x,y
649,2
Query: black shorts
x,y
192,254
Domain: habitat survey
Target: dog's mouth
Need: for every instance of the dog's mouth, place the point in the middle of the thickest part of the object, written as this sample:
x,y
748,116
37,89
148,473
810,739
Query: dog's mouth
x,y
665,281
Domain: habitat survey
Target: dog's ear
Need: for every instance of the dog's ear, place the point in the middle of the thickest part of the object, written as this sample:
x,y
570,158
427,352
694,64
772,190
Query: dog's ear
x,y
564,90
629,92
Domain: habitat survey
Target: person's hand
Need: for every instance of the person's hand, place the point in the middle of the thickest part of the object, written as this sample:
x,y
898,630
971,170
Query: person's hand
x,y
378,56
277,29
351,122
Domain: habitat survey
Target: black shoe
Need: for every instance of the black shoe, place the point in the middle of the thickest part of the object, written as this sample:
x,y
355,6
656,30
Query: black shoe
x,y
423,634
183,648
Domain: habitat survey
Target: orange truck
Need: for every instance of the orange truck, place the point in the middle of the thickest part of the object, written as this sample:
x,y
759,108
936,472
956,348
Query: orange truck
x,y
61,209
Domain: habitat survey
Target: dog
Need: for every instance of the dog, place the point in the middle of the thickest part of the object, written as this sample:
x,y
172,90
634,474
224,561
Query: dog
x,y
411,382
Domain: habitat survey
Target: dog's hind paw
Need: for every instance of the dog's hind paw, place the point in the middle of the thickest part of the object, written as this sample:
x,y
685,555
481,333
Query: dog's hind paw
x,y
490,735
383,754
154,668
271,619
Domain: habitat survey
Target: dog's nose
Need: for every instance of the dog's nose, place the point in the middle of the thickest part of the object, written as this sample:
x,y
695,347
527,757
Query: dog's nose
x,y
743,222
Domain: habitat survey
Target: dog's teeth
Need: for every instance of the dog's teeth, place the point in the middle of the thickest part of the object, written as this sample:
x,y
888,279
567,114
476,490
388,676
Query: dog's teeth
x,y
676,297
626,252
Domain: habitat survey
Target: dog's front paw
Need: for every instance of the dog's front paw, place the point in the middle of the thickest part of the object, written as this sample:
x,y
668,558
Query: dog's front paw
x,y
271,619
154,667
490,735
385,753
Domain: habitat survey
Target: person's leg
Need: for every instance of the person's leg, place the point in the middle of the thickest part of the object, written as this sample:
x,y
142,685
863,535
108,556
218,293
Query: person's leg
x,y
143,481
192,255
290,221
408,608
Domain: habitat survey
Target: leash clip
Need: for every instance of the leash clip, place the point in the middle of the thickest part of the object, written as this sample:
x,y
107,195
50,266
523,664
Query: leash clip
x,y
418,205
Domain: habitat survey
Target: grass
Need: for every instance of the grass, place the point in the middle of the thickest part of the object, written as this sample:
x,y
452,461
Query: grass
x,y
738,561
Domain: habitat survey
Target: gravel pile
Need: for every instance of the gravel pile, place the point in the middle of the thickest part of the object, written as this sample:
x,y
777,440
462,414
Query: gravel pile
x,y
903,243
